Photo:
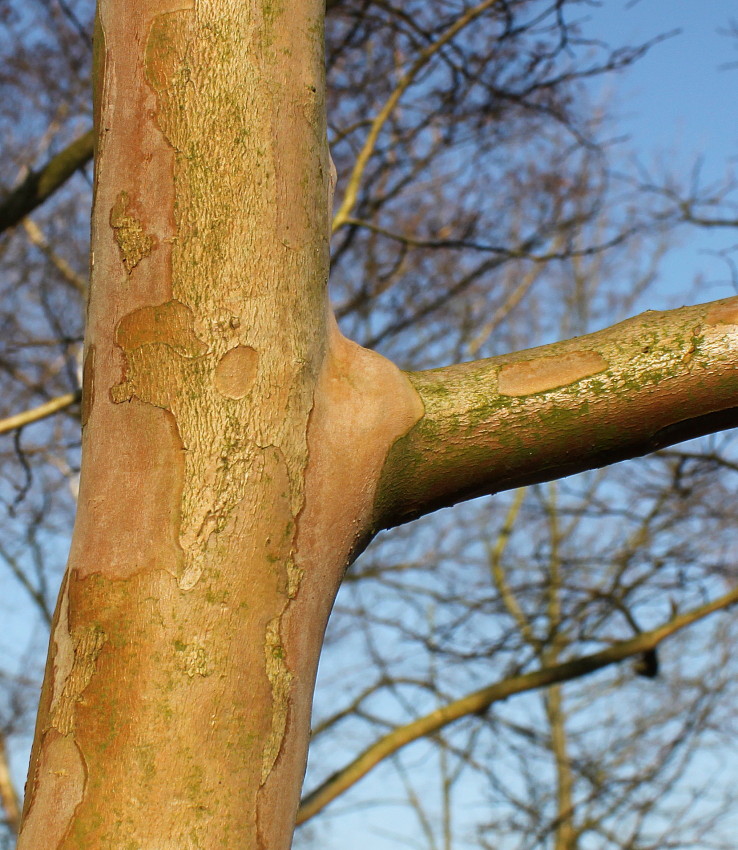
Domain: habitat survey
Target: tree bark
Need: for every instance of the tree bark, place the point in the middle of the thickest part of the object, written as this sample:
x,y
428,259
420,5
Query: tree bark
x,y
208,547
490,425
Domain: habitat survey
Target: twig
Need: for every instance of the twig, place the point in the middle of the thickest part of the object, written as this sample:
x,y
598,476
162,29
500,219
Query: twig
x,y
479,701
37,413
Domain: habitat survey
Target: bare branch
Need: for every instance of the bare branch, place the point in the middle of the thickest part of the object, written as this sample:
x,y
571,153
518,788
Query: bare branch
x,y
39,185
8,794
422,59
512,606
33,231
479,701
34,415
524,251
36,594
491,425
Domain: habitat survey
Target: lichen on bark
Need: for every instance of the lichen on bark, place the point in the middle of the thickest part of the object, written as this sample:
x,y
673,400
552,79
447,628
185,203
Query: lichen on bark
x,y
208,315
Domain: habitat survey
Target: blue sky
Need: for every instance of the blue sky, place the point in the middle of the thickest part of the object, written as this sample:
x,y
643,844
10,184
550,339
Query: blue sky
x,y
678,85
678,98
677,105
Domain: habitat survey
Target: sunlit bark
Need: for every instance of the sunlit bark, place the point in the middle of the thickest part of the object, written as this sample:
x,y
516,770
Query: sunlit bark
x,y
238,451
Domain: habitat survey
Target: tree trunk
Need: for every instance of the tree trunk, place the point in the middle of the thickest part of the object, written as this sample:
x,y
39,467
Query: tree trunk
x,y
206,554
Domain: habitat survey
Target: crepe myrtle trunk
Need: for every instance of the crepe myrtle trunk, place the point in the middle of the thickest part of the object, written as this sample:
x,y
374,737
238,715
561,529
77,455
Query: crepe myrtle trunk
x,y
238,451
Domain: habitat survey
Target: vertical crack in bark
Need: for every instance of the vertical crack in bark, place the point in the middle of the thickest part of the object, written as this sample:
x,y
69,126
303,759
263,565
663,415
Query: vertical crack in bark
x,y
277,670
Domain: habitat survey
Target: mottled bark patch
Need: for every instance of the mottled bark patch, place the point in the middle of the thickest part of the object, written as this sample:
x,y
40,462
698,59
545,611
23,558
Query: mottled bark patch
x,y
294,579
195,658
549,373
87,644
169,323
235,373
167,69
696,338
133,242
160,346
63,649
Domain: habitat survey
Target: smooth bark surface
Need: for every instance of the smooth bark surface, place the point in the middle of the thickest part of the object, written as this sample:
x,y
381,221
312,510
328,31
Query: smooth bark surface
x,y
536,415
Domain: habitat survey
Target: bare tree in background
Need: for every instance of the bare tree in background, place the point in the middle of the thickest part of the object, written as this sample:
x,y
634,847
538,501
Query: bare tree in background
x,y
499,590
476,214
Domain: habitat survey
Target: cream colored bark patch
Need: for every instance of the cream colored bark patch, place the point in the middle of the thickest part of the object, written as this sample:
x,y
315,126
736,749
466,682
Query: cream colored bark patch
x,y
235,373
725,314
87,644
549,373
280,679
159,343
60,779
133,241
294,579
195,658
63,649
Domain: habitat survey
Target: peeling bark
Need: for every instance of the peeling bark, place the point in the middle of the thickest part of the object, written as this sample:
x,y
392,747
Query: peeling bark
x,y
171,681
542,374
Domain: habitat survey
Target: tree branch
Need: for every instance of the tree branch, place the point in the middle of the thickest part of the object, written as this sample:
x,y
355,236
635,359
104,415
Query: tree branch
x,y
490,425
39,185
479,701
37,413
8,794
33,231
423,57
